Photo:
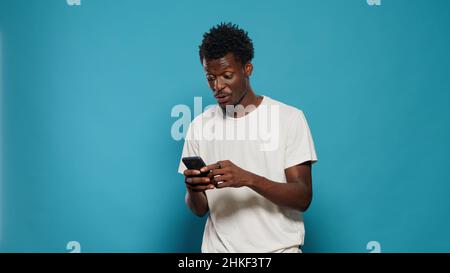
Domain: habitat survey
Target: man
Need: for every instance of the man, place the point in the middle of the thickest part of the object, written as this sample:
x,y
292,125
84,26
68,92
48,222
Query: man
x,y
255,192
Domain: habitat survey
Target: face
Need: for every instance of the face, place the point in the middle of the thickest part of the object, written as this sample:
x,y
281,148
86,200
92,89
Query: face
x,y
228,79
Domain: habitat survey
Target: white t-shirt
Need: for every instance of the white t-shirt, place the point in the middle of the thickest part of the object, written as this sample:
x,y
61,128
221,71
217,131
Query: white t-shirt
x,y
266,141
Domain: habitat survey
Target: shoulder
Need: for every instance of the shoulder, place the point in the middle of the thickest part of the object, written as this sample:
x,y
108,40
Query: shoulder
x,y
286,111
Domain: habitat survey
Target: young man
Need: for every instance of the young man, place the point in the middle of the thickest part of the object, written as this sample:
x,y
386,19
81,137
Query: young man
x,y
258,153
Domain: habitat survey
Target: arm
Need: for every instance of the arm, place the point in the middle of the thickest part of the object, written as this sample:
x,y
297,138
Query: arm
x,y
195,197
197,202
296,193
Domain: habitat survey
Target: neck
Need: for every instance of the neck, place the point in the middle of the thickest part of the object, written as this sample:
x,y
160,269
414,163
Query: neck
x,y
249,98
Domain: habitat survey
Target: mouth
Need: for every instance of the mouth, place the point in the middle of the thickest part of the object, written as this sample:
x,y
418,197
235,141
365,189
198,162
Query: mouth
x,y
223,98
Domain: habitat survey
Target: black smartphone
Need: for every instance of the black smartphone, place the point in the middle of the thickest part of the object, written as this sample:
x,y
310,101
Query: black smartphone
x,y
194,163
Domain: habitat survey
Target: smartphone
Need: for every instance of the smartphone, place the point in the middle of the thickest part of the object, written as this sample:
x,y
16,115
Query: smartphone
x,y
194,163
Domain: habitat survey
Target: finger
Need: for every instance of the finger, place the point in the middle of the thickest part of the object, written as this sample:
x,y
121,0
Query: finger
x,y
200,188
198,180
191,172
221,179
225,184
211,167
219,171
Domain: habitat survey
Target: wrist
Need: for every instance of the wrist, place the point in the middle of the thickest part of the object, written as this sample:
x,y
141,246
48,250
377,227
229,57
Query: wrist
x,y
254,181
193,193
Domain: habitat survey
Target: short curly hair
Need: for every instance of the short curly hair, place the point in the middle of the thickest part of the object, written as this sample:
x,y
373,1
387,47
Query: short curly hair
x,y
226,38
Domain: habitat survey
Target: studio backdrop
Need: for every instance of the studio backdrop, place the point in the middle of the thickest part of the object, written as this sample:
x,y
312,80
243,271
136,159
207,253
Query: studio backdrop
x,y
94,95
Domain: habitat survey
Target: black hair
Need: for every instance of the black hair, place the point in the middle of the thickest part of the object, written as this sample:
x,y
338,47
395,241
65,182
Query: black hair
x,y
226,38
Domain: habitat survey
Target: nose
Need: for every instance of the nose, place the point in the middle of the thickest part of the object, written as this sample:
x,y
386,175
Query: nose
x,y
219,85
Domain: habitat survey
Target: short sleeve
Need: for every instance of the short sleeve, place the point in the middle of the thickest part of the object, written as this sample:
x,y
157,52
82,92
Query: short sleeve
x,y
299,142
190,147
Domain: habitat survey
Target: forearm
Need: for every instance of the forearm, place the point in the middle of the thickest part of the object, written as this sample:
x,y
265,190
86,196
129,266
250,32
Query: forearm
x,y
293,195
197,202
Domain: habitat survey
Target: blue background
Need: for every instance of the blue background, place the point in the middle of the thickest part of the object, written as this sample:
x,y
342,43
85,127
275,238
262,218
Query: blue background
x,y
87,98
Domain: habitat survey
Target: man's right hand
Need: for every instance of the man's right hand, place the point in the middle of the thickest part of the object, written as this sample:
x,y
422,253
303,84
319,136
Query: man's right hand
x,y
196,183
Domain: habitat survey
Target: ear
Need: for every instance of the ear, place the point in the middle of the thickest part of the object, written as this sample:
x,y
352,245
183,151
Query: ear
x,y
248,69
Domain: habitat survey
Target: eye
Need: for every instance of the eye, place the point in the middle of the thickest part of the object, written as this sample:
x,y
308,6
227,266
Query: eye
x,y
228,75
210,78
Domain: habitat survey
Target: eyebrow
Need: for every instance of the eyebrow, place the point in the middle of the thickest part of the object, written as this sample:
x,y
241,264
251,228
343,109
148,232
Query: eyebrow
x,y
228,67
